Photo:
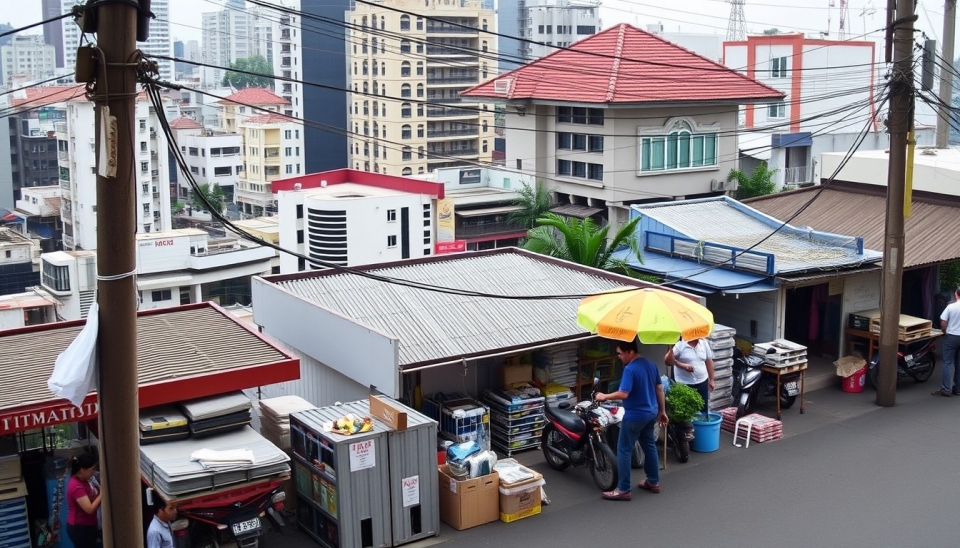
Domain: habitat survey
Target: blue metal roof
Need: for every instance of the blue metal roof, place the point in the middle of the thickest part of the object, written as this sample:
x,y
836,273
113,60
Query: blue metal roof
x,y
695,276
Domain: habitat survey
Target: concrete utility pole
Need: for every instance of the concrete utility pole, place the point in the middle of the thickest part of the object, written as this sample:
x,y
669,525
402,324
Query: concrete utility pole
x,y
900,113
946,72
116,88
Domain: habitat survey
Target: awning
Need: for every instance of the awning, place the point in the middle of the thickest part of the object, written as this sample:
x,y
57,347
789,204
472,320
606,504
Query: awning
x,y
787,140
487,211
693,276
183,353
578,211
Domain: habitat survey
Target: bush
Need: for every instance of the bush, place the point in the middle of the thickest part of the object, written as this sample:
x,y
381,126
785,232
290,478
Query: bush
x,y
683,403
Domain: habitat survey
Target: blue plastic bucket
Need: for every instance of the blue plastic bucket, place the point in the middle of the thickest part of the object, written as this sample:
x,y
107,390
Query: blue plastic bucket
x,y
706,434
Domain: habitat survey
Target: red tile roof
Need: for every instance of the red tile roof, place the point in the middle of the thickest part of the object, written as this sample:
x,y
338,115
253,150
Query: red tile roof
x,y
47,95
255,96
185,122
624,64
268,118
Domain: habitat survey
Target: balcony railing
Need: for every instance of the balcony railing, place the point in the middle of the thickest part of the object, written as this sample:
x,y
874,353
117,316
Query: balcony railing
x,y
63,156
443,50
449,112
450,29
483,229
155,173
452,132
440,154
794,175
457,80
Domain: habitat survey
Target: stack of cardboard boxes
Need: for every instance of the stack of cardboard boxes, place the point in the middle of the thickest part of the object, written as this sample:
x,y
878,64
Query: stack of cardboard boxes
x,y
476,501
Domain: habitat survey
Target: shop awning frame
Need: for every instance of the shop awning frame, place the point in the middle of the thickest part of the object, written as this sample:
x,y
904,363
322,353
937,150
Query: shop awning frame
x,y
169,370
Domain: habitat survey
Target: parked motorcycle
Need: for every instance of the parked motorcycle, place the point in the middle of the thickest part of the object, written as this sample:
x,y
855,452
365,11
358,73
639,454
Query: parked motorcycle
x,y
579,438
680,436
751,384
613,435
915,360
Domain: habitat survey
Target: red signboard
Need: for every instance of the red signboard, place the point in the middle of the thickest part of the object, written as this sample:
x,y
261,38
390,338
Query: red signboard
x,y
456,246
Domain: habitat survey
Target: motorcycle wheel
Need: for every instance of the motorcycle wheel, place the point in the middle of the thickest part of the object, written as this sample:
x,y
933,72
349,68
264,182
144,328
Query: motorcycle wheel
x,y
872,373
743,405
604,468
786,401
550,438
682,449
923,375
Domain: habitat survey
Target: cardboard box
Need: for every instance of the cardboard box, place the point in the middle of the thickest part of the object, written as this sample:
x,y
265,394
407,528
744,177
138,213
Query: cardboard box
x,y
513,374
468,503
10,468
395,417
520,500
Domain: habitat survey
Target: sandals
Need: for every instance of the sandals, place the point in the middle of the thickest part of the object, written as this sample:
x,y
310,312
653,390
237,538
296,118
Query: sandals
x,y
646,486
941,392
617,494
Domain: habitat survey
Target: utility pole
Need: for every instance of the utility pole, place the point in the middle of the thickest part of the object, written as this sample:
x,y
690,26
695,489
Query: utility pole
x,y
946,73
900,114
116,88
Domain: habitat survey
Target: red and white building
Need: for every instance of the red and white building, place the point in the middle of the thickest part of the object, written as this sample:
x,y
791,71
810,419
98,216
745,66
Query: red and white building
x,y
624,117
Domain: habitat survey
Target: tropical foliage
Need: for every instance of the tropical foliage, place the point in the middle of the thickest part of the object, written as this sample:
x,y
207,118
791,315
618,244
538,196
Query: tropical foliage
x,y
534,201
214,195
758,183
583,242
257,64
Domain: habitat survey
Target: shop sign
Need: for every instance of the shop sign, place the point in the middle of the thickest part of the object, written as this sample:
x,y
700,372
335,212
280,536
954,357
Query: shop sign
x,y
18,422
411,491
446,226
456,246
469,176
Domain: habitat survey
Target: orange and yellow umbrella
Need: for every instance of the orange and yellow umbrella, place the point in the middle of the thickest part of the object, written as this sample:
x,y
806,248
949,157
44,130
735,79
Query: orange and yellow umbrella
x,y
655,316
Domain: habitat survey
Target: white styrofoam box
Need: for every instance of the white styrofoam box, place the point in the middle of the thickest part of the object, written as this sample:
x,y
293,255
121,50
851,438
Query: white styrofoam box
x,y
722,353
722,363
721,332
727,342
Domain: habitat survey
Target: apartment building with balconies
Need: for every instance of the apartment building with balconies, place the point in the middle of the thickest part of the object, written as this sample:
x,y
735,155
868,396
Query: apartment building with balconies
x,y
27,54
39,211
271,151
407,67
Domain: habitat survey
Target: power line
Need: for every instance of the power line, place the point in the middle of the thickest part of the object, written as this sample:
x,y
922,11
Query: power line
x,y
37,24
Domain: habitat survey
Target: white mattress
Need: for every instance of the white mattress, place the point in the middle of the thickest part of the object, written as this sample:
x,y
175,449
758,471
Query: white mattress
x,y
216,406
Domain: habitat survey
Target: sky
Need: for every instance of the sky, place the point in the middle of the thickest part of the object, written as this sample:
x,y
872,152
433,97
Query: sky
x,y
701,16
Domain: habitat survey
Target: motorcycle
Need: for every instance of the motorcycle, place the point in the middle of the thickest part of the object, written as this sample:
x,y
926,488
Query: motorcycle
x,y
751,384
915,360
234,516
679,436
613,434
579,438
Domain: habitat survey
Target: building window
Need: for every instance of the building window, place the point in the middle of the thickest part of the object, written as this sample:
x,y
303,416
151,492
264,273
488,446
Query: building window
x,y
420,130
406,132
777,110
419,68
145,167
405,90
391,215
299,211
580,115
222,171
161,295
419,23
56,277
405,110
391,241
406,171
404,22
778,67
595,143
405,69
406,154
300,236
678,149
405,46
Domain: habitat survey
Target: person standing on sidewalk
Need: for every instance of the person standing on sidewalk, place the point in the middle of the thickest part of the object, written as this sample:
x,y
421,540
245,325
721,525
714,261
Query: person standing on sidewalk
x,y
950,323
693,361
643,403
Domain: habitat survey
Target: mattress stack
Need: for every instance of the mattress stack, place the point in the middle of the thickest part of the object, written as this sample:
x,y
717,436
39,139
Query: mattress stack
x,y
558,364
217,414
764,428
169,467
722,343
163,423
275,418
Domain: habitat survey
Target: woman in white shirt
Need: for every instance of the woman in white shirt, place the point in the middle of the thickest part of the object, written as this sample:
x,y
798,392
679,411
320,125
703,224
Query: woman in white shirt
x,y
693,361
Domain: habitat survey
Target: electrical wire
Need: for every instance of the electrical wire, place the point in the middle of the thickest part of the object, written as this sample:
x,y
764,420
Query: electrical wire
x,y
37,24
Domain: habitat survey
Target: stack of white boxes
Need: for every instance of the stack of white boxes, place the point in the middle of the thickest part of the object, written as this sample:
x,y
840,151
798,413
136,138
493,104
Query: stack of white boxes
x,y
557,364
275,418
722,343
14,527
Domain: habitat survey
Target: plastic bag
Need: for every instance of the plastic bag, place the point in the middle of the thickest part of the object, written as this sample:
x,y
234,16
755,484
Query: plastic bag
x,y
74,373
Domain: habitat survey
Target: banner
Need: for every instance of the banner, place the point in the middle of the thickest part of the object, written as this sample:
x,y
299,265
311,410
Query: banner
x,y
446,227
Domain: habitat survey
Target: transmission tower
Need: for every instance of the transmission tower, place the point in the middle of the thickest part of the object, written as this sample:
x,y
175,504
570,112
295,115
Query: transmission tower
x,y
844,17
737,26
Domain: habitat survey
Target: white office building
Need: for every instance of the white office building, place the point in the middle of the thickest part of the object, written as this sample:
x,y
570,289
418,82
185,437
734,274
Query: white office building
x,y
553,23
27,55
212,156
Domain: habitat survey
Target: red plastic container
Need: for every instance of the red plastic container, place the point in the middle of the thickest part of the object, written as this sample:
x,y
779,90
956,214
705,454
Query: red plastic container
x,y
854,383
442,457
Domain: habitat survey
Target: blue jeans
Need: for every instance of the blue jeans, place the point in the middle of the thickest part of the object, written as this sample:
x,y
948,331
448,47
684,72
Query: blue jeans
x,y
950,379
630,432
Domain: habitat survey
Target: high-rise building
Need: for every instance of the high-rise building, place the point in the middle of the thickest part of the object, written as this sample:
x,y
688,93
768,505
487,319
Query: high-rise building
x,y
53,31
157,44
324,62
226,38
406,74
550,22
27,54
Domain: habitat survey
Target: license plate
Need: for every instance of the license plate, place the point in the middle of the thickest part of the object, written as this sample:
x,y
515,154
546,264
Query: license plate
x,y
244,526
792,388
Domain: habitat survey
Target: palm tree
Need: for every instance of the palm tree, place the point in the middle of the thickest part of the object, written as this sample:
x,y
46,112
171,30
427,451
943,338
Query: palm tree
x,y
583,242
534,201
758,183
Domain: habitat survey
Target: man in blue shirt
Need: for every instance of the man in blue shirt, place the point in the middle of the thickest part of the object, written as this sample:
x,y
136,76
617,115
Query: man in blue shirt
x,y
643,403
158,534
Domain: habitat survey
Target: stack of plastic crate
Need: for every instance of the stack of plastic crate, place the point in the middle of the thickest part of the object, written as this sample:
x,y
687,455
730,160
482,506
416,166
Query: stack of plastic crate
x,y
722,342
518,419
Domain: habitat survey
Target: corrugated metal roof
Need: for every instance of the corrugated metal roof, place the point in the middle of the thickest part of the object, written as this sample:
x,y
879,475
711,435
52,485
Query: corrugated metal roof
x,y
433,326
931,230
170,345
726,222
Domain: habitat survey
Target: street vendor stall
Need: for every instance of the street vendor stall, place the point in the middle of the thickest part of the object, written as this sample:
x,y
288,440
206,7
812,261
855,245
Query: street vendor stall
x,y
184,353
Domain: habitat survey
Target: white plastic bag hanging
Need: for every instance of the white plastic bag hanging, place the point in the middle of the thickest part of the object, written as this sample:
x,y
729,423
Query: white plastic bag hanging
x,y
74,373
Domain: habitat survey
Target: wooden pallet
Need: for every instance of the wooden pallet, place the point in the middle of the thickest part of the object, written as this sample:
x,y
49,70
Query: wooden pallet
x,y
786,362
915,335
908,326
781,353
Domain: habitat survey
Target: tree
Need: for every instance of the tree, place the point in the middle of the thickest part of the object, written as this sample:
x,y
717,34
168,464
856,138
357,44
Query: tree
x,y
534,201
758,183
214,195
178,208
583,242
257,64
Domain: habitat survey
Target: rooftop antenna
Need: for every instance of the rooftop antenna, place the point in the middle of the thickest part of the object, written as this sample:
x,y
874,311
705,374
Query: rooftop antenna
x,y
737,26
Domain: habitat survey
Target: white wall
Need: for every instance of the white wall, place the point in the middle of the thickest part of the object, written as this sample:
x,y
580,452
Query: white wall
x,y
318,384
738,311
822,77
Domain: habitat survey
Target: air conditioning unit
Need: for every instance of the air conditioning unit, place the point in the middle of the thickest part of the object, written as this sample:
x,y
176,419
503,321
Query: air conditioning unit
x,y
719,185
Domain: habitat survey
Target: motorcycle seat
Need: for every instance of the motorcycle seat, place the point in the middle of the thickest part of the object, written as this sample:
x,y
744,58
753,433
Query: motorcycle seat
x,y
568,420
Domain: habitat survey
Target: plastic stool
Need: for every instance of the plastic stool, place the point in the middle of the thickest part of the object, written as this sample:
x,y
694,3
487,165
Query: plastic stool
x,y
736,431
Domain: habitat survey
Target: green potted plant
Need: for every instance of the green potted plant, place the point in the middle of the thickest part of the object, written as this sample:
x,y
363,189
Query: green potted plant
x,y
683,403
